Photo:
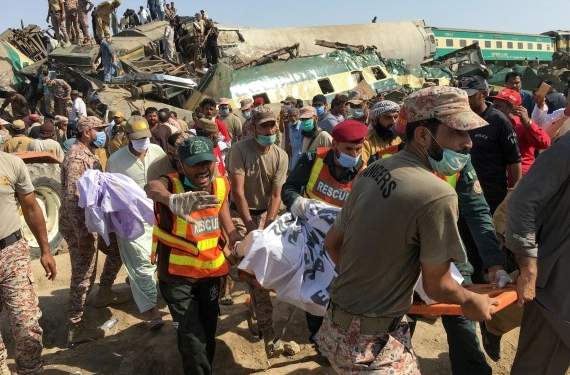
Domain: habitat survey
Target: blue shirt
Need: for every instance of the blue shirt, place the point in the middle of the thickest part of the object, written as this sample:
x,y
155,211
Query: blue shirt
x,y
296,143
106,53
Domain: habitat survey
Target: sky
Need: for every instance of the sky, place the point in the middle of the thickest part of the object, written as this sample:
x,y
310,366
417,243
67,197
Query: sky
x,y
523,16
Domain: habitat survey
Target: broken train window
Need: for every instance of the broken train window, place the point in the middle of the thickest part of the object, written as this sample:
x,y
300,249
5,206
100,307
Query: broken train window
x,y
378,73
326,86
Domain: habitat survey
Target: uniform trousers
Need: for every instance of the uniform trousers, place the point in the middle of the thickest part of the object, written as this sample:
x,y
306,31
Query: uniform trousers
x,y
59,30
83,256
19,298
72,25
194,307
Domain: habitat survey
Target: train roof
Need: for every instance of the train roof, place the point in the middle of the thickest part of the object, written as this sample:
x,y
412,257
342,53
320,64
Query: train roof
x,y
434,28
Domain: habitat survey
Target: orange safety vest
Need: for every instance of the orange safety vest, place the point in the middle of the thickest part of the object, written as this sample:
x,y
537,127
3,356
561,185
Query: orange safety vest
x,y
195,249
322,185
387,152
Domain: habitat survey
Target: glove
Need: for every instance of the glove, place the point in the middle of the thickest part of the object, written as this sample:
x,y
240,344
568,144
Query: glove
x,y
184,204
299,208
502,278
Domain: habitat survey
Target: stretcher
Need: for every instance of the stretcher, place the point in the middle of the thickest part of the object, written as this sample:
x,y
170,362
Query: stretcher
x,y
506,296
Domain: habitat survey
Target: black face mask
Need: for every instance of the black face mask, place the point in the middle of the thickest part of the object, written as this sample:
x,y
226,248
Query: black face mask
x,y
384,133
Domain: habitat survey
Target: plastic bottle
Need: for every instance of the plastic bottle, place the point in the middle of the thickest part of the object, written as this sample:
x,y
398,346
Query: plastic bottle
x,y
110,323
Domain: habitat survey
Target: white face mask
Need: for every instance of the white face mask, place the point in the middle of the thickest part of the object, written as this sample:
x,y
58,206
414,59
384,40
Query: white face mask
x,y
140,145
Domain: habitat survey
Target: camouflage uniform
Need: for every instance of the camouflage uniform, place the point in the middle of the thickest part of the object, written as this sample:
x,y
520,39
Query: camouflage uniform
x,y
261,297
59,30
82,244
83,16
349,352
60,92
4,137
72,20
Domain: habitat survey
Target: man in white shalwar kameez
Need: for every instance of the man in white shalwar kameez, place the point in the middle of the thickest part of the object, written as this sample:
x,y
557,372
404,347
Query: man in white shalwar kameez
x,y
168,42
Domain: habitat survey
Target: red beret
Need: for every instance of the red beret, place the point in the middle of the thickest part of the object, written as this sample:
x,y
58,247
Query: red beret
x,y
258,101
350,131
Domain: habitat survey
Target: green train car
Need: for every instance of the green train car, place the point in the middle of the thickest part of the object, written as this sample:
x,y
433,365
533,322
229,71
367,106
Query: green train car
x,y
562,39
497,46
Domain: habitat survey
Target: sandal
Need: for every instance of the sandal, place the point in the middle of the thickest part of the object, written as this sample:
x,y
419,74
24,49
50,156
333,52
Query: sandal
x,y
226,300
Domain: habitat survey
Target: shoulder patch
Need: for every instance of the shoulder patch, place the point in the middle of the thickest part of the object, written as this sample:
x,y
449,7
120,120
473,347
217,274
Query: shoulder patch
x,y
477,188
5,181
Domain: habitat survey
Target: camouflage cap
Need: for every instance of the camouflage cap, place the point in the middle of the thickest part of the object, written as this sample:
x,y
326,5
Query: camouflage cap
x,y
137,128
179,139
356,97
61,120
307,112
449,105
224,101
207,125
262,115
245,104
89,122
289,100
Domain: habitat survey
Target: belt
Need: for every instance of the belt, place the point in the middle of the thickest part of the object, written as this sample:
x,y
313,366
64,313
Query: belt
x,y
368,325
7,241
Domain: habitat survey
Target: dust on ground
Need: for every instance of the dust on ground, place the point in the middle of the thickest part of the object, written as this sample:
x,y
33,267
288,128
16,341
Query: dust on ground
x,y
129,348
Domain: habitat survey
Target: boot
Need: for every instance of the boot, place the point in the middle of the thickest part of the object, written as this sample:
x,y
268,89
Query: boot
x,y
78,333
106,296
273,347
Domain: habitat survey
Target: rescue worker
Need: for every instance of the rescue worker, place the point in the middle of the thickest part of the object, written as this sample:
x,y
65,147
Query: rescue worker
x,y
326,174
358,106
56,12
19,141
119,138
103,13
418,215
60,94
18,103
381,140
84,7
232,122
248,130
16,278
191,210
82,243
313,136
107,58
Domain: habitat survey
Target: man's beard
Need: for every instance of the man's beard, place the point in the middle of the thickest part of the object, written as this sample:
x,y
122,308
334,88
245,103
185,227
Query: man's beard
x,y
385,134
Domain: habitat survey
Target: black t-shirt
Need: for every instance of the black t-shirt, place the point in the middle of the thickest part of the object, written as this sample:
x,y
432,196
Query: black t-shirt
x,y
555,100
212,39
495,147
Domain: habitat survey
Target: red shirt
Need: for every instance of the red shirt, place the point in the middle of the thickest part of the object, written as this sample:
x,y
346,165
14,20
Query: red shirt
x,y
222,128
221,166
530,138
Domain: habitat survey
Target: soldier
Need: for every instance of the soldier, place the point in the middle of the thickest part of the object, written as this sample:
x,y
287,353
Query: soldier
x,y
18,103
60,92
16,278
103,13
56,11
72,21
82,243
84,8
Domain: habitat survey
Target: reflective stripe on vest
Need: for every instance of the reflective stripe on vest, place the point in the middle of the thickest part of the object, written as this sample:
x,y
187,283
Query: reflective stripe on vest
x,y
387,152
322,186
194,255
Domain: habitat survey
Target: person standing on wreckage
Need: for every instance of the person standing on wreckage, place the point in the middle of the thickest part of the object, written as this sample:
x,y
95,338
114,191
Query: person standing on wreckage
x,y
191,210
417,213
326,174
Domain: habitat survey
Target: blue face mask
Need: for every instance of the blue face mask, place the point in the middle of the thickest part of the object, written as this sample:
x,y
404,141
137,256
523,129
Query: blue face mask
x,y
288,107
224,111
100,140
451,162
307,125
347,161
266,140
356,113
246,115
320,110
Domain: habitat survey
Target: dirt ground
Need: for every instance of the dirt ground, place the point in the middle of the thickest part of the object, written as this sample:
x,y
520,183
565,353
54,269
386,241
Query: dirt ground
x,y
129,348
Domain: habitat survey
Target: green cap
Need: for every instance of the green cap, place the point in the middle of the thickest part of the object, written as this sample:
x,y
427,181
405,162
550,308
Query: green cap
x,y
195,150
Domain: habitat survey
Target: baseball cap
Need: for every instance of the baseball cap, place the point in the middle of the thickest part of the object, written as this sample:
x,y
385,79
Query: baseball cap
x,y
350,131
289,100
319,99
356,97
118,114
508,95
207,125
449,105
473,84
18,125
89,122
74,92
224,101
263,114
245,104
307,112
137,128
195,150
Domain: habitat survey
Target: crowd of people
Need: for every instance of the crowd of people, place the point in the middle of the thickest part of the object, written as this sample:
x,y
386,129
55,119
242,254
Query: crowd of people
x,y
456,175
